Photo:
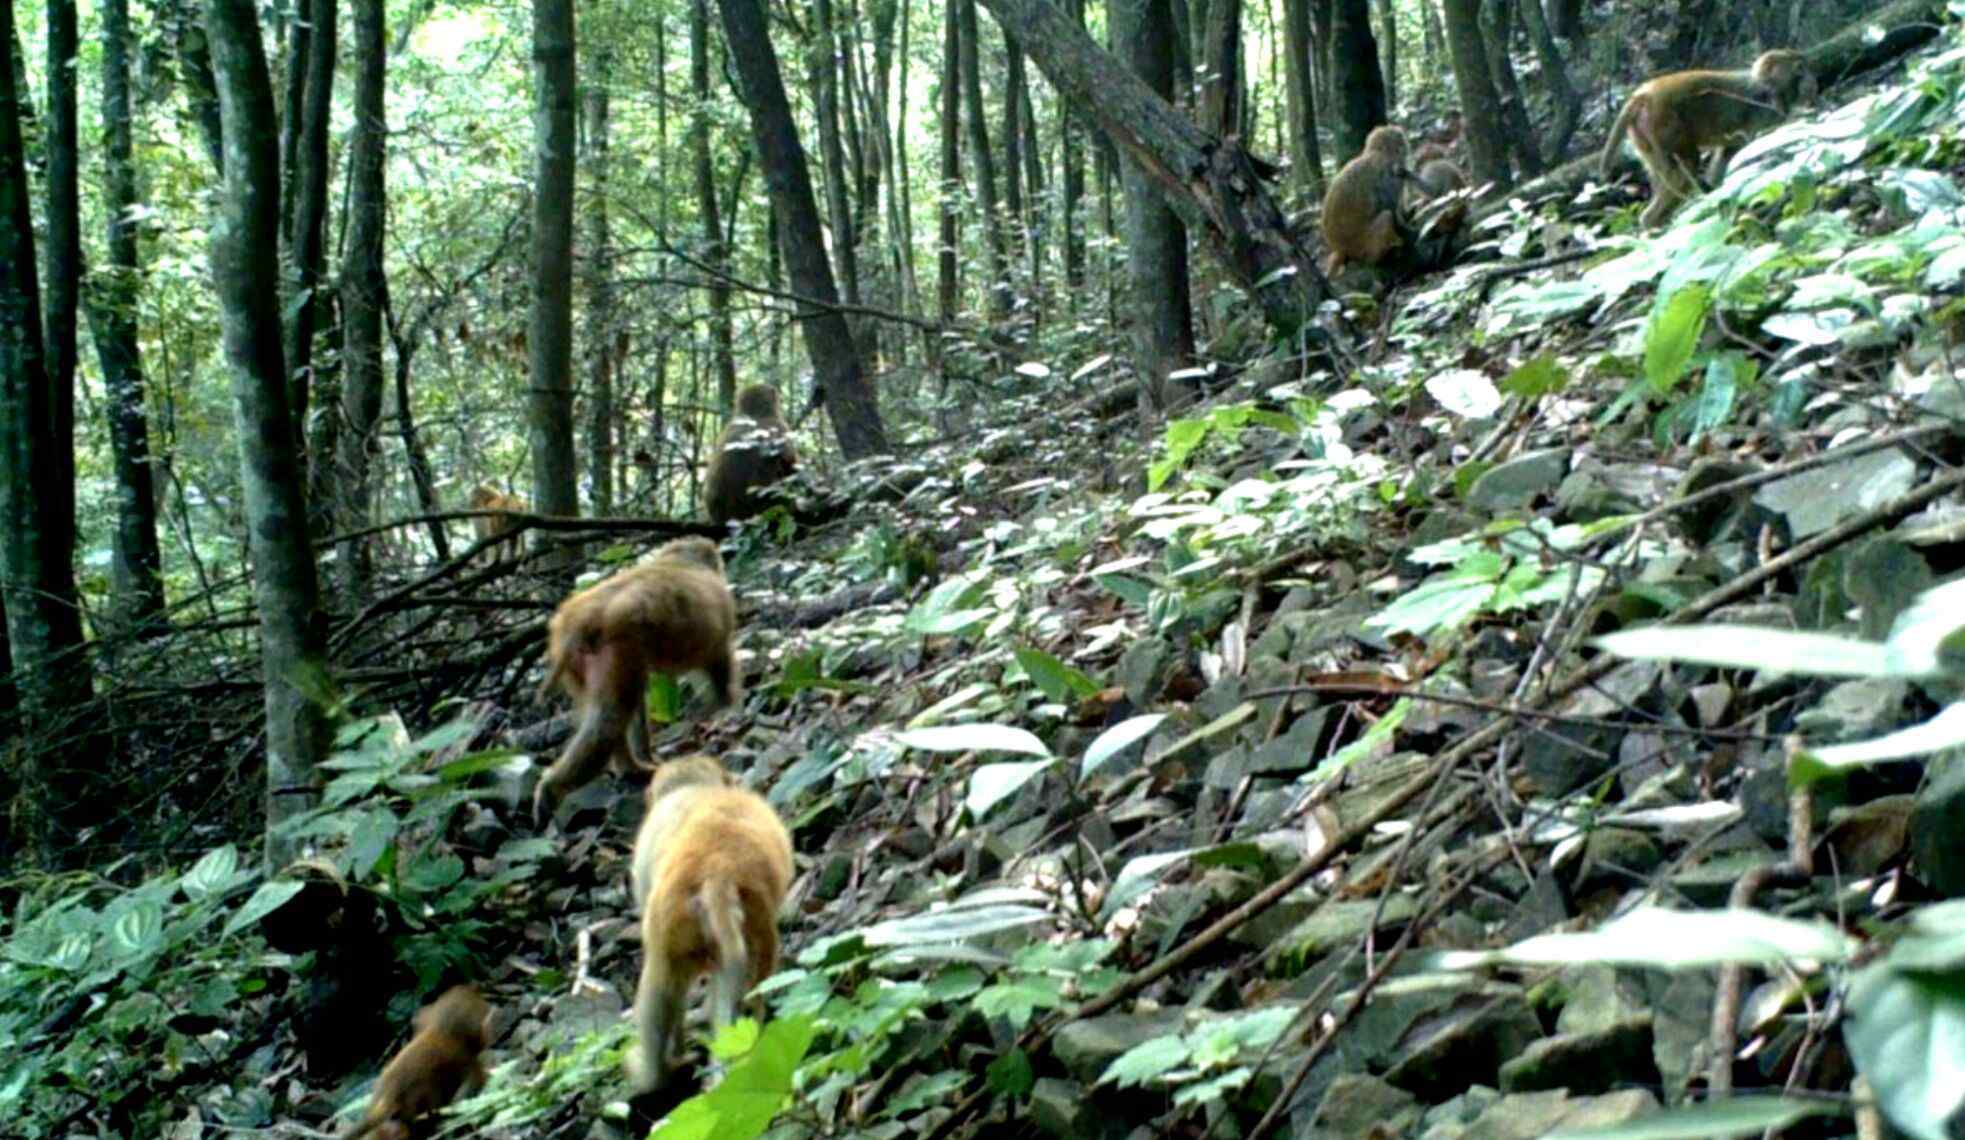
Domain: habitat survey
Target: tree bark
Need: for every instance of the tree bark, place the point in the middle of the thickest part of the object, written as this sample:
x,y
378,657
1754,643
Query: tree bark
x,y
200,88
309,218
364,289
1388,41
848,398
550,338
245,269
982,166
602,419
1213,184
136,563
1360,89
947,283
63,299
1013,116
1519,132
1566,18
1479,105
1072,144
1160,319
1555,73
1300,102
825,81
1221,94
715,253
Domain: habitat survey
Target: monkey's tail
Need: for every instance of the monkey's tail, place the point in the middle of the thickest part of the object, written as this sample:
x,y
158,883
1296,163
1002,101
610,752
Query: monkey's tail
x,y
1616,139
720,909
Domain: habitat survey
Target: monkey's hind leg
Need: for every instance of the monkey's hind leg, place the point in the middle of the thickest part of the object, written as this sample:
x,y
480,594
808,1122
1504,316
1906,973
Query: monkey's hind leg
x,y
658,1013
1382,237
724,681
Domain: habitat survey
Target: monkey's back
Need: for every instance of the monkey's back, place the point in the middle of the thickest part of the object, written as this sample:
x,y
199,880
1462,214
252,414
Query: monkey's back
x,y
680,614
1359,193
714,835
751,454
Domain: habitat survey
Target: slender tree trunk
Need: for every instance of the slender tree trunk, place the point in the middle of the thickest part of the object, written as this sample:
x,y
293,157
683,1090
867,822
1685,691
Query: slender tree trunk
x,y
418,457
714,251
554,92
64,249
1388,42
1555,73
601,414
1305,151
1033,214
1518,130
1354,63
1221,93
1566,16
1433,39
1072,144
364,290
1013,114
981,165
1322,14
245,269
1161,319
947,286
200,87
1480,106
848,397
293,101
136,564
309,219
825,76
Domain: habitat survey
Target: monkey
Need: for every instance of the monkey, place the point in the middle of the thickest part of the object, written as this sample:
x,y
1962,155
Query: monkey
x,y
753,452
440,1060
1434,174
1362,221
671,613
712,863
485,497
1672,118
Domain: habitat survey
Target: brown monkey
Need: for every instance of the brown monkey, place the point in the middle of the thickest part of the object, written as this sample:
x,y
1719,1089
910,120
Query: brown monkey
x,y
440,1060
712,863
670,613
1672,118
754,452
485,497
1434,172
1361,220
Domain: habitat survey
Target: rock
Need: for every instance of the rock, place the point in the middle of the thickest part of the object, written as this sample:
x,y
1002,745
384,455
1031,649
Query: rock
x,y
1592,1062
1817,499
1062,1108
1564,757
1597,997
1356,1103
1854,710
1884,576
1617,857
1717,518
1086,1047
1519,482
1936,824
1466,1045
1528,1116
1868,837
1341,922
1449,1119
1143,670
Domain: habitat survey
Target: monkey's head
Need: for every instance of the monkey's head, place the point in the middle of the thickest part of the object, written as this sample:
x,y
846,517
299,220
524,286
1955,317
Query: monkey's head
x,y
483,495
1388,142
460,1013
688,771
694,549
759,402
1788,73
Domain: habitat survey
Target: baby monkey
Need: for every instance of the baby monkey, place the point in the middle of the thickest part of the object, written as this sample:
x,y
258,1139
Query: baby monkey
x,y
485,497
1673,118
1362,220
670,614
754,452
440,1060
712,864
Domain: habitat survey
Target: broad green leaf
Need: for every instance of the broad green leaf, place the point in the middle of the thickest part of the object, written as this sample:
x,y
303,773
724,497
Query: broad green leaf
x,y
993,783
1672,940
1117,739
1906,1032
973,738
1713,1120
211,875
751,1094
1753,647
1946,730
1011,1074
1149,1060
263,902
1054,678
1674,335
951,925
1534,378
138,931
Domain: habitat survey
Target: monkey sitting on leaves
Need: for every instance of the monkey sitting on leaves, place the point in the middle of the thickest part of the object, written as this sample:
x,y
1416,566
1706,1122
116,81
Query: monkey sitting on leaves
x,y
440,1061
1673,118
754,452
1362,219
671,614
712,863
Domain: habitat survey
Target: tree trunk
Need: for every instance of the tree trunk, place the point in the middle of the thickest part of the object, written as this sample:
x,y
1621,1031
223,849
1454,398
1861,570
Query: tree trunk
x,y
1322,14
364,289
309,217
982,167
554,92
1032,216
947,284
1360,104
1498,35
1072,144
1213,184
825,83
1555,73
414,453
601,415
715,253
1566,18
136,564
1221,93
1388,41
1161,321
63,300
200,88
1013,116
1480,107
1434,39
848,397
245,269
1300,97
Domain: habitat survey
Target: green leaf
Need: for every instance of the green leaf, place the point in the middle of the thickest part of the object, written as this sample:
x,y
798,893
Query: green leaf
x,y
1672,940
1906,1032
138,931
973,738
1117,739
751,1094
212,875
1054,678
1676,327
1011,1074
993,783
1713,1120
1146,1061
263,902
951,924
1754,647
1946,730
1534,378
1018,997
